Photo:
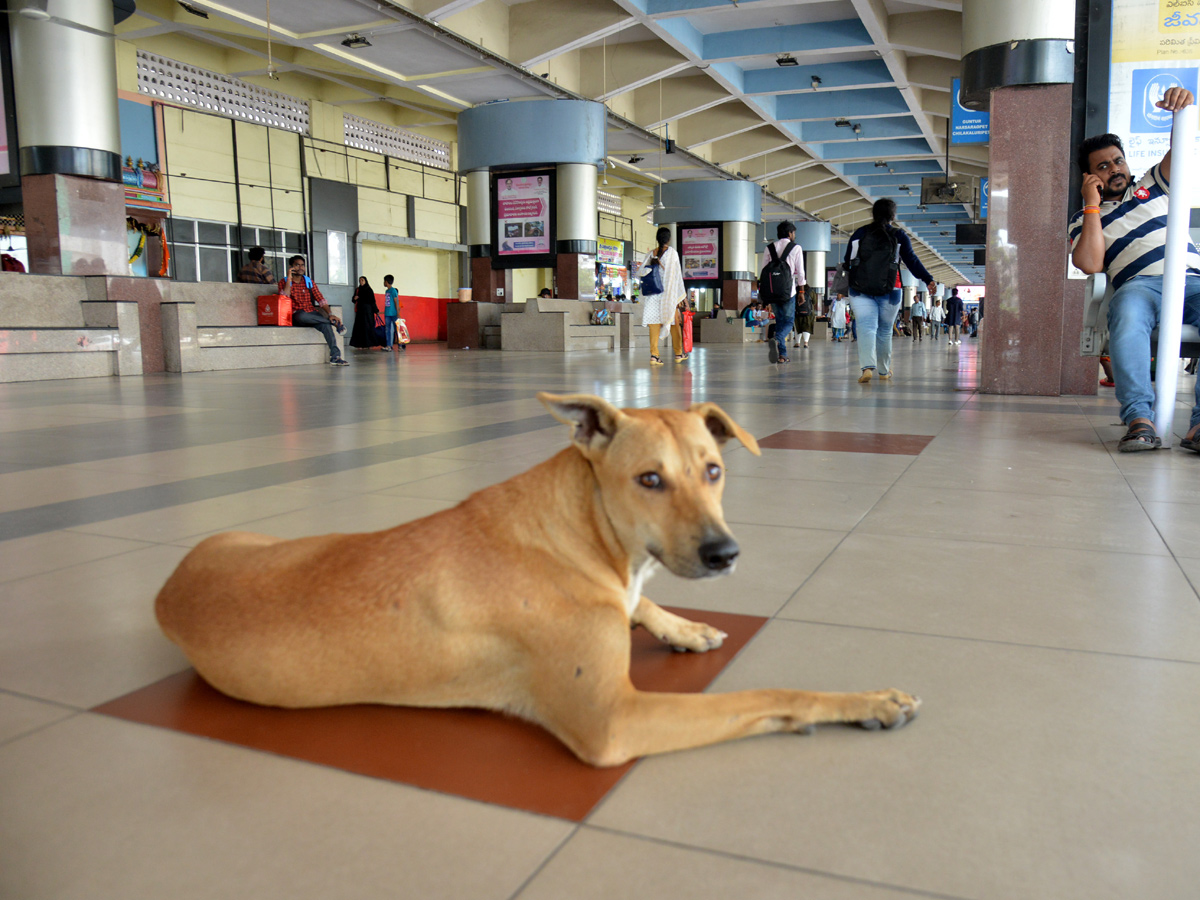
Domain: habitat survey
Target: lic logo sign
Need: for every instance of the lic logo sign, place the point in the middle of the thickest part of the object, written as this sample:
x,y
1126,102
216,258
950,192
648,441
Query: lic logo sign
x,y
1148,88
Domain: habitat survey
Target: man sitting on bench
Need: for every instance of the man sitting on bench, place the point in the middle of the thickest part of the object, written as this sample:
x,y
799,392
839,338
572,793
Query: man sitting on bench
x,y
309,307
1121,231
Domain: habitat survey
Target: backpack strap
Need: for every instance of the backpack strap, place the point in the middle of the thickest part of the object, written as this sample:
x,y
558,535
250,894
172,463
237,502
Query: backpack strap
x,y
774,254
787,251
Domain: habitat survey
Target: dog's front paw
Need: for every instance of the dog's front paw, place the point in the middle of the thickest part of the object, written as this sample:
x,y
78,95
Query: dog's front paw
x,y
694,636
888,709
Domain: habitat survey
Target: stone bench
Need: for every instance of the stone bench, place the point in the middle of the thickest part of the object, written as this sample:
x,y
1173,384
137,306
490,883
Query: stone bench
x,y
208,326
724,330
65,327
559,325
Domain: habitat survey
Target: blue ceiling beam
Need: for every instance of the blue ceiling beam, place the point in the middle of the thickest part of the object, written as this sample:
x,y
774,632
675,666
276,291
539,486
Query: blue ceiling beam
x,y
844,33
859,149
913,178
848,104
872,129
791,79
667,7
902,166
734,74
686,33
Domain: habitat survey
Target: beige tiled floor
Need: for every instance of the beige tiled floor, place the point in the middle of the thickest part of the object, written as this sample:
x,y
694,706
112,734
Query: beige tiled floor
x,y
1037,590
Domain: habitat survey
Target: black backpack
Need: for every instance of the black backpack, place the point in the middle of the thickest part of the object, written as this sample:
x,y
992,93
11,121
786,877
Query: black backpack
x,y
775,279
873,271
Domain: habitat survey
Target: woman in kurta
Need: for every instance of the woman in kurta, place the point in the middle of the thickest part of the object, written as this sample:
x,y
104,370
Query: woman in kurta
x,y
663,309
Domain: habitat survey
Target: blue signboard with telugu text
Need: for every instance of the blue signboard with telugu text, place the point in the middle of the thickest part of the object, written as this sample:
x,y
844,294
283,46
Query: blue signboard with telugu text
x,y
966,125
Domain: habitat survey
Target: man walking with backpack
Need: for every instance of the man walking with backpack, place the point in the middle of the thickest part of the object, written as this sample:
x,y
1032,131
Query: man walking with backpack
x,y
873,261
782,274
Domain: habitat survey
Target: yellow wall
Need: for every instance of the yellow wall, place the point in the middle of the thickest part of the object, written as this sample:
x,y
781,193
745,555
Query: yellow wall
x,y
418,272
484,23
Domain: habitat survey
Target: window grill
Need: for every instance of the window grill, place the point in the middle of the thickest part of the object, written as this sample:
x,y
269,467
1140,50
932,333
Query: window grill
x,y
187,85
608,203
363,134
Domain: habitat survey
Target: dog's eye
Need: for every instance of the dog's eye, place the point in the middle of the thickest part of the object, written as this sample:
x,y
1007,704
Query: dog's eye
x,y
714,472
650,480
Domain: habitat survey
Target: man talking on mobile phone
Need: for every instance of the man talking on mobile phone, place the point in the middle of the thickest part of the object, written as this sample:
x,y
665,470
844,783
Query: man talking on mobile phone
x,y
1122,231
309,307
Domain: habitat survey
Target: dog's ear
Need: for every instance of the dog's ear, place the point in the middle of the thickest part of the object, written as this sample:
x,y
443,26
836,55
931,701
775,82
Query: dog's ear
x,y
593,421
722,427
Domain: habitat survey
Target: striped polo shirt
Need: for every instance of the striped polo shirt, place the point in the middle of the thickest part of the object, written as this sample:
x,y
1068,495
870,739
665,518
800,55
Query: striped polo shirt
x,y
1135,231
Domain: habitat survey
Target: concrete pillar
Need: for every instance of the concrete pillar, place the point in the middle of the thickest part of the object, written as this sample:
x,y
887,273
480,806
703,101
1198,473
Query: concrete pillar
x,y
575,211
814,239
1019,62
568,134
70,139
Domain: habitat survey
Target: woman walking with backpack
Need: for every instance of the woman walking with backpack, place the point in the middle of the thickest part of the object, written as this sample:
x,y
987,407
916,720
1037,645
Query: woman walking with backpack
x,y
873,258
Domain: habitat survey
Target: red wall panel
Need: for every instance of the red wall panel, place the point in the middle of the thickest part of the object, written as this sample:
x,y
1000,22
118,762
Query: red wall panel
x,y
424,316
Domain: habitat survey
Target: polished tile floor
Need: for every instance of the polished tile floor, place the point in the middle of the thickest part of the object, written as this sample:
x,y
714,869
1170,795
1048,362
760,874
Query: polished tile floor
x,y
992,554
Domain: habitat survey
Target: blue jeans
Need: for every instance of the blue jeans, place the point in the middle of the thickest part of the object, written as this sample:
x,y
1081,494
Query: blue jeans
x,y
389,329
876,315
785,318
323,325
1132,315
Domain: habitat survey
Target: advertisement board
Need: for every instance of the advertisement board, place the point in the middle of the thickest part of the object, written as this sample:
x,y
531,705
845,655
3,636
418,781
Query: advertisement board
x,y
611,251
700,251
523,219
1155,46
9,167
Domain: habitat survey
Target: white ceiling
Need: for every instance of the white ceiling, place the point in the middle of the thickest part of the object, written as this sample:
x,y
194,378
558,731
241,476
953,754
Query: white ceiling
x,y
884,65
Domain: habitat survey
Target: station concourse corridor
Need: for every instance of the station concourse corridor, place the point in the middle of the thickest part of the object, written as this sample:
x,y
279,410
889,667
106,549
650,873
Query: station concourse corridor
x,y
992,554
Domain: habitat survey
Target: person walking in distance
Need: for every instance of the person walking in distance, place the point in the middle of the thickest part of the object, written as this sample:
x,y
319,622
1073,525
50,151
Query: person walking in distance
x,y
937,317
917,318
782,275
873,258
658,309
954,314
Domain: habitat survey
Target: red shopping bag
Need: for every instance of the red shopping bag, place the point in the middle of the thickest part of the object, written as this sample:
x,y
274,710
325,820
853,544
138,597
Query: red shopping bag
x,y
274,309
687,331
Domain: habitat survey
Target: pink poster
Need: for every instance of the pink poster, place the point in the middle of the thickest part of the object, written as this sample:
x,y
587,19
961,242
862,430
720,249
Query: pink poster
x,y
523,214
698,248
3,134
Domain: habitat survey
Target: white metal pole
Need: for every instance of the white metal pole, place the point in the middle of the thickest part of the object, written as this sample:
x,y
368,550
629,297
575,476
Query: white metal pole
x,y
1170,319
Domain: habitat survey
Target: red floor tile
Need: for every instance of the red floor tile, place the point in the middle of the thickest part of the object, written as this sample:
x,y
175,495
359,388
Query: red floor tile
x,y
469,753
847,442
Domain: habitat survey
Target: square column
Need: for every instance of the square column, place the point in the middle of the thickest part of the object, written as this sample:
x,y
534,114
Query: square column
x,y
486,281
75,225
1030,335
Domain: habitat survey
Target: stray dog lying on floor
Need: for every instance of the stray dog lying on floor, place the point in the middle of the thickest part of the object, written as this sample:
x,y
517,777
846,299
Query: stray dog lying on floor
x,y
520,599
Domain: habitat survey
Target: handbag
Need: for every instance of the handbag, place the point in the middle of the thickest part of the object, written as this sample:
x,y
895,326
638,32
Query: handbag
x,y
652,283
380,330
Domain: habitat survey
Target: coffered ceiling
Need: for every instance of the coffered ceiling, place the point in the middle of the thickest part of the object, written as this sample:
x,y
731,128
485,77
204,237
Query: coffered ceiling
x,y
862,114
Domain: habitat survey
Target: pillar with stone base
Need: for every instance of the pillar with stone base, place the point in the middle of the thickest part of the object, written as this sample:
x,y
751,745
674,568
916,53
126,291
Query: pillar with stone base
x,y
70,139
1019,62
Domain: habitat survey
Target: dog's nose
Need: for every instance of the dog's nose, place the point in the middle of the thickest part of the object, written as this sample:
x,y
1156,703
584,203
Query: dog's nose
x,y
719,554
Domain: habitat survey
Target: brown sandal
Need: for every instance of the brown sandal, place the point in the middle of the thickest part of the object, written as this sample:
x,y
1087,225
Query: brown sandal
x,y
1140,436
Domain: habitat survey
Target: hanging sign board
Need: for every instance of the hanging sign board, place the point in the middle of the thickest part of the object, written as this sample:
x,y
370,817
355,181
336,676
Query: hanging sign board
x,y
967,126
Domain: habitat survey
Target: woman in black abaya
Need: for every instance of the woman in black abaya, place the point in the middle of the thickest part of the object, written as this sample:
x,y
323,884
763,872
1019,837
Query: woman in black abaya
x,y
364,337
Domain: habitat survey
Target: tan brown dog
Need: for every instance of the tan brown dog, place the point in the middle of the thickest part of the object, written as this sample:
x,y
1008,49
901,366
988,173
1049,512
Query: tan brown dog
x,y
520,598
